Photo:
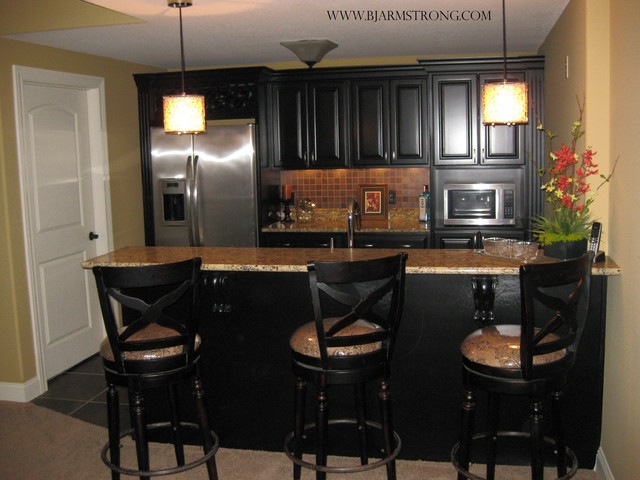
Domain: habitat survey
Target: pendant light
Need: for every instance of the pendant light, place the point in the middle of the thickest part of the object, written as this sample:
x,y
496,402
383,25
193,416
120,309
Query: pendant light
x,y
183,114
505,103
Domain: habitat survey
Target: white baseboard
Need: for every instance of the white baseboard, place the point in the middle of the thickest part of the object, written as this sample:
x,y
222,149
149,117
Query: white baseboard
x,y
602,467
20,392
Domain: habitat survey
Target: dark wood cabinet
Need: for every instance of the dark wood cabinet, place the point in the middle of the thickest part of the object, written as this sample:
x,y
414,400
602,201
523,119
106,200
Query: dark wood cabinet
x,y
460,138
391,240
304,240
389,122
308,123
472,238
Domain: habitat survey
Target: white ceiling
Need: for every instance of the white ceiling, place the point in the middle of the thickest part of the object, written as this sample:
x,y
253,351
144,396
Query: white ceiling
x,y
249,32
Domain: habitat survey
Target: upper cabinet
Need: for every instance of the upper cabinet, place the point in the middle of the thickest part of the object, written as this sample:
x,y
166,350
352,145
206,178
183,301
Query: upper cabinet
x,y
388,118
308,124
460,138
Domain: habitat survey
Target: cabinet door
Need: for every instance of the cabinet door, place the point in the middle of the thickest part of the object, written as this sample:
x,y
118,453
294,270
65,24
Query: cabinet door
x,y
501,144
327,124
455,103
370,117
289,125
408,130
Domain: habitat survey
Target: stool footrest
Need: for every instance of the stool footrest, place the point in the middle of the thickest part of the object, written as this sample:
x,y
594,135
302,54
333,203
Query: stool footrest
x,y
343,469
165,471
471,476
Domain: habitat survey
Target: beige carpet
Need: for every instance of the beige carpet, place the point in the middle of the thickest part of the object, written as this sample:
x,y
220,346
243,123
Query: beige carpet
x,y
38,443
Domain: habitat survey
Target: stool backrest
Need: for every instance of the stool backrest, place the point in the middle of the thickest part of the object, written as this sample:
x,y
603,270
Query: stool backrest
x,y
167,295
554,300
370,290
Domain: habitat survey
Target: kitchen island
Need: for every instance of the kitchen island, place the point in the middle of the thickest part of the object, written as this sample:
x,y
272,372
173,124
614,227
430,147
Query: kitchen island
x,y
254,298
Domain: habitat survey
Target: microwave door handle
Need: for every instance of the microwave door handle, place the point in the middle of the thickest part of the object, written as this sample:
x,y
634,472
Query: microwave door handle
x,y
195,220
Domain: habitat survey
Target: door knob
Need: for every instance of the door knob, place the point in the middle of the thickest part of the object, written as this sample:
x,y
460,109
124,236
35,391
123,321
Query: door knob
x,y
93,236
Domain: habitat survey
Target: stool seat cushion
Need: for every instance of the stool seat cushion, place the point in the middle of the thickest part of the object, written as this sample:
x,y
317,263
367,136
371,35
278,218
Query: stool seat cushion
x,y
150,332
305,340
499,346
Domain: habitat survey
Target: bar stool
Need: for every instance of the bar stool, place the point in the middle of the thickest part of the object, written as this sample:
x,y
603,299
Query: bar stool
x,y
531,359
159,348
357,309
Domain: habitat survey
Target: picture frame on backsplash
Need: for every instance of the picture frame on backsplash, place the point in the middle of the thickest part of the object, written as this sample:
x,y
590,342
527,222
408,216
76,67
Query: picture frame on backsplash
x,y
374,204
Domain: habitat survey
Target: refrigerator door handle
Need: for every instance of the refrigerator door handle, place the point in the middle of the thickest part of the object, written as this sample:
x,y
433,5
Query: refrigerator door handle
x,y
195,220
188,194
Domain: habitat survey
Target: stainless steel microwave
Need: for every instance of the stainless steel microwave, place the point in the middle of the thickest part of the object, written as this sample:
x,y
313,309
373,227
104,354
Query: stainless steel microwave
x,y
479,203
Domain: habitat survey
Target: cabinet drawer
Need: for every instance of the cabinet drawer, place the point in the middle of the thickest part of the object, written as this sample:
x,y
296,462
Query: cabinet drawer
x,y
304,240
390,241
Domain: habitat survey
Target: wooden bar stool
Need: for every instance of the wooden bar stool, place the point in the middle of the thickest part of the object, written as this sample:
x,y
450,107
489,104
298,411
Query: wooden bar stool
x,y
357,310
159,348
532,359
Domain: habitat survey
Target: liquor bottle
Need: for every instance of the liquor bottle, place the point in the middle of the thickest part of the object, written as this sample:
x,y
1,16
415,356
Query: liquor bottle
x,y
424,205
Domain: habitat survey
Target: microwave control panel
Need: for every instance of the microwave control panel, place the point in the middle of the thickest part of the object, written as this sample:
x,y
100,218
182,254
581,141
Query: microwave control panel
x,y
508,207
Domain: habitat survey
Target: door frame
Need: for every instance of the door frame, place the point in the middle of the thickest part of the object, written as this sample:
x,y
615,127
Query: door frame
x,y
94,89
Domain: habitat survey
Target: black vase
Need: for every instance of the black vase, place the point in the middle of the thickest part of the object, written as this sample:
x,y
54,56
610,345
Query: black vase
x,y
566,250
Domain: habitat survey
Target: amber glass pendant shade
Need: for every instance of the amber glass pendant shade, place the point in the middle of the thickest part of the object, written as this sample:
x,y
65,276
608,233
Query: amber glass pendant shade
x,y
184,114
505,103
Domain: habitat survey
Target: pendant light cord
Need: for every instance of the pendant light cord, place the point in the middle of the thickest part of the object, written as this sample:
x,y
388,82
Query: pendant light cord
x,y
504,43
182,49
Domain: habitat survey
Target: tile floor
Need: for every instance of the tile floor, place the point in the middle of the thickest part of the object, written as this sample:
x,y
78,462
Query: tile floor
x,y
81,393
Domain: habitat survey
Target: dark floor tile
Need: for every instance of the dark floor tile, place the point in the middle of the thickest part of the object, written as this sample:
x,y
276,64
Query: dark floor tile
x,y
91,365
75,386
62,406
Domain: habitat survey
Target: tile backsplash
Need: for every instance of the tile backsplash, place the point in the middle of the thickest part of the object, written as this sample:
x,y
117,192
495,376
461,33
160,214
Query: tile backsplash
x,y
336,188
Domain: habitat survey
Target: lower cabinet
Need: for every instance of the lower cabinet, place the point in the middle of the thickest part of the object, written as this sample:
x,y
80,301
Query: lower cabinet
x,y
472,238
361,240
375,240
304,240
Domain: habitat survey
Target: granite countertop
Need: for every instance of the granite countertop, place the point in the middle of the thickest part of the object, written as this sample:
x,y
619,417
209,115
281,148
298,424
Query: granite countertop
x,y
420,261
334,220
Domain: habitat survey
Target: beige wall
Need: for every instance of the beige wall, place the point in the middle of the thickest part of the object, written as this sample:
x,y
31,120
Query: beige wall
x,y
597,37
621,432
17,360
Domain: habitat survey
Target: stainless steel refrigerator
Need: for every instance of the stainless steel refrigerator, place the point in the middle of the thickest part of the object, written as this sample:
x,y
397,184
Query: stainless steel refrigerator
x,y
205,187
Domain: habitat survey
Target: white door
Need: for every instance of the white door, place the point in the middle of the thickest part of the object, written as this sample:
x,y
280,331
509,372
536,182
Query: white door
x,y
61,131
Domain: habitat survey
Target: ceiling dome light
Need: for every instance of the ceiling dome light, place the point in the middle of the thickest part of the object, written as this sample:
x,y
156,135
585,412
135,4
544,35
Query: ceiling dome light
x,y
310,51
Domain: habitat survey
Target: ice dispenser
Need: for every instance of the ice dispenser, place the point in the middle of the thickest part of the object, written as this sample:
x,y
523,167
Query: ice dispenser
x,y
173,201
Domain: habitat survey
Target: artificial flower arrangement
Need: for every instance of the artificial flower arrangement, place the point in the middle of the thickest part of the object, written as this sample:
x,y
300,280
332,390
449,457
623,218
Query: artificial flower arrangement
x,y
566,189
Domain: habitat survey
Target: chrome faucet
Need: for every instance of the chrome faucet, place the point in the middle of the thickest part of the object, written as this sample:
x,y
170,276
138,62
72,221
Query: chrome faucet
x,y
353,221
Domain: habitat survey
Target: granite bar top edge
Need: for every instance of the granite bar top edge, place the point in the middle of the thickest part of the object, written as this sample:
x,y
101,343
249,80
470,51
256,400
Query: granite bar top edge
x,y
246,259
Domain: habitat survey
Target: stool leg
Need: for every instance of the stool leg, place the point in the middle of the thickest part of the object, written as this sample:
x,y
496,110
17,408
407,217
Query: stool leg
x,y
322,425
205,428
298,423
140,427
113,421
556,408
361,412
175,424
466,430
384,394
536,418
492,434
